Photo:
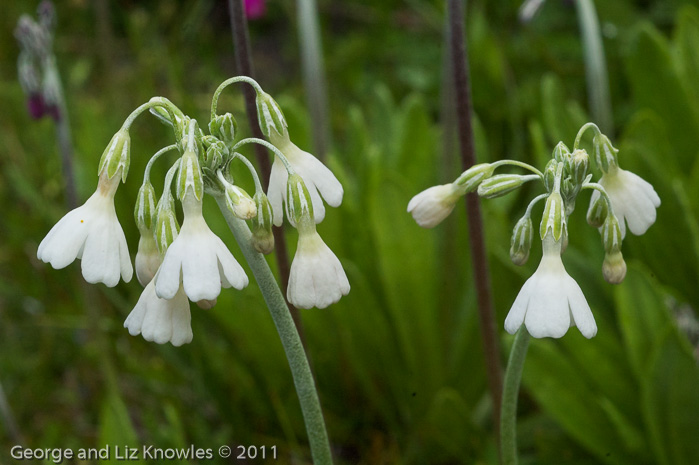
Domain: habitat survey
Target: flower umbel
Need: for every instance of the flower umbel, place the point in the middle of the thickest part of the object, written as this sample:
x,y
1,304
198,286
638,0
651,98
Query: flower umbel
x,y
551,301
93,234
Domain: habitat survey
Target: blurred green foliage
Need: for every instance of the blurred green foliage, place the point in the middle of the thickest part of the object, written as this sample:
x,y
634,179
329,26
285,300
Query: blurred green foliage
x,y
398,362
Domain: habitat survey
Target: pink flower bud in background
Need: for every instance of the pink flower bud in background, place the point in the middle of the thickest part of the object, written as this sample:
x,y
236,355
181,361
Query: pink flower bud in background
x,y
255,9
36,106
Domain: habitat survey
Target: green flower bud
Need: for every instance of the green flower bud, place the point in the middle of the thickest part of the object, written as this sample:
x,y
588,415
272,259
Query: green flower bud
x,y
270,115
521,241
214,154
299,207
145,212
561,153
239,202
117,155
580,166
502,184
553,219
605,153
262,236
224,127
614,267
472,177
189,176
166,226
597,213
550,174
611,234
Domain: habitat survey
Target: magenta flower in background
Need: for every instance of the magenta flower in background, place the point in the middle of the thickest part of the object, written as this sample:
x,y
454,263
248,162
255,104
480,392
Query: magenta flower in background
x,y
255,9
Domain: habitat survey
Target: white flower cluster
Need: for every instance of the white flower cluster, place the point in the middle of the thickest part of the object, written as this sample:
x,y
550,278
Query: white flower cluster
x,y
192,264
551,301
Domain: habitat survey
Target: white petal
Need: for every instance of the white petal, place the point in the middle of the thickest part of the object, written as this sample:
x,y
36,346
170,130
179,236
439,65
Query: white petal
x,y
547,313
232,274
169,278
277,190
200,271
515,317
324,180
580,310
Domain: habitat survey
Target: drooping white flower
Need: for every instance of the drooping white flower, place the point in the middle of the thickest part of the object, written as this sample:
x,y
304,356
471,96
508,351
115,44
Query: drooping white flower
x,y
160,320
93,234
551,301
633,199
319,180
317,278
431,206
198,260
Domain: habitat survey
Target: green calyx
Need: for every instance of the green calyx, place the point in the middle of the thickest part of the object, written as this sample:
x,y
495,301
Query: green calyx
x,y
553,219
605,153
521,242
189,176
470,179
262,236
270,115
116,156
166,226
145,210
299,207
501,184
225,128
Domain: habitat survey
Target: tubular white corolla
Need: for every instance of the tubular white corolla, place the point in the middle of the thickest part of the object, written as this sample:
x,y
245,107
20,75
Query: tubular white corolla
x,y
551,301
93,234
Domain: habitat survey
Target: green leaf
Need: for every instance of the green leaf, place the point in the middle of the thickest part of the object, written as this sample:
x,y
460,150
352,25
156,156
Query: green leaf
x,y
116,429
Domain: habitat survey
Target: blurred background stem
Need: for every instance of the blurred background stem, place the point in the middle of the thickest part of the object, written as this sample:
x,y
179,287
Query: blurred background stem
x,y
595,66
513,378
289,336
481,276
243,60
9,419
314,74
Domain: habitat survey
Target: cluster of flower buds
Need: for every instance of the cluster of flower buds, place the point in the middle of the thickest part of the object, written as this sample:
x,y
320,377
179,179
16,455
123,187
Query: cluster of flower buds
x,y
551,301
177,264
36,64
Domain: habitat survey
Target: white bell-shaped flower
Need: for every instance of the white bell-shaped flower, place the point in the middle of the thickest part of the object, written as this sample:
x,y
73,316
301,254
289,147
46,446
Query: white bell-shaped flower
x,y
317,278
431,206
93,234
551,301
198,260
633,199
319,180
161,320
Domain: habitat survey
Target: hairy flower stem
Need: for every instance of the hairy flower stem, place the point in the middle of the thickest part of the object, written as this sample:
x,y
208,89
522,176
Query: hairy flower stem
x,y
295,354
595,66
241,42
481,274
513,377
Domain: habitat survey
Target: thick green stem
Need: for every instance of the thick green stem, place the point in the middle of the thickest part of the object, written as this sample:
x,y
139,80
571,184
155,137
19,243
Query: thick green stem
x,y
595,65
295,354
508,419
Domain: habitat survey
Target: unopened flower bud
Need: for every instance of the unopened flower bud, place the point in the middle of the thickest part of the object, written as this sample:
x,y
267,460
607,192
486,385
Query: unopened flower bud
x,y
431,206
117,155
597,213
472,177
553,219
225,127
148,258
579,166
270,115
239,202
614,267
550,174
561,153
145,210
262,236
214,154
521,240
299,207
611,234
605,153
189,176
502,184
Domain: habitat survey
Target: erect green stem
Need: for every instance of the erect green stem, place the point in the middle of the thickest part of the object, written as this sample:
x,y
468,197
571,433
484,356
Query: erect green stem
x,y
520,164
277,152
228,82
582,130
595,65
158,154
508,419
300,369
